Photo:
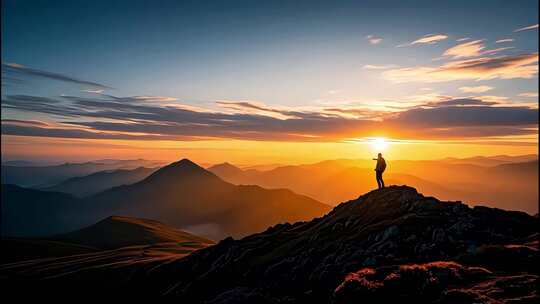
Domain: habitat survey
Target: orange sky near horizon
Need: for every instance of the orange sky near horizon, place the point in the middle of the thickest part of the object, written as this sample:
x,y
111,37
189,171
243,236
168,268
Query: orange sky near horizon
x,y
244,152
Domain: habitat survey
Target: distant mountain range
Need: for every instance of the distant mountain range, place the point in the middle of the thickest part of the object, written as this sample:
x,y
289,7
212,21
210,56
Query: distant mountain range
x,y
492,160
476,180
387,246
505,185
21,174
185,195
182,195
35,213
19,163
96,182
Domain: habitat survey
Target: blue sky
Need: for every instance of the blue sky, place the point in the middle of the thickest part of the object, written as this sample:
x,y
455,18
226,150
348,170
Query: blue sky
x,y
356,61
283,52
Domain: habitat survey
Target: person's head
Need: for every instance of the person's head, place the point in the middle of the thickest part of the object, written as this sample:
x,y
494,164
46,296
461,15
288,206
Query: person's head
x,y
379,155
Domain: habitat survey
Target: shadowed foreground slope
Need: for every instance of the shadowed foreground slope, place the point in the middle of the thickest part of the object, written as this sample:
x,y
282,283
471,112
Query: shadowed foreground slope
x,y
106,251
388,244
21,249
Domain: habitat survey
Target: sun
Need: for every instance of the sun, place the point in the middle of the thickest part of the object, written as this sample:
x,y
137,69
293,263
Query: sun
x,y
379,144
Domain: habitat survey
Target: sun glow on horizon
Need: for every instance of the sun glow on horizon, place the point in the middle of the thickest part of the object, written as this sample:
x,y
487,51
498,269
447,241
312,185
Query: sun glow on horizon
x,y
379,144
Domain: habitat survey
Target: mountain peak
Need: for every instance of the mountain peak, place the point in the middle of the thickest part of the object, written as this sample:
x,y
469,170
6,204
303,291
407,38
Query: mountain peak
x,y
387,198
226,170
181,169
183,165
394,202
184,162
226,166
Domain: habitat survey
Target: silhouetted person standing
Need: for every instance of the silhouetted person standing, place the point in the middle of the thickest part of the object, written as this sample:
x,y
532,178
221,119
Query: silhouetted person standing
x,y
379,169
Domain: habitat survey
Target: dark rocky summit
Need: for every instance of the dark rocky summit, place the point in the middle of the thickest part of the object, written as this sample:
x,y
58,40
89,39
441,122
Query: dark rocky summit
x,y
386,245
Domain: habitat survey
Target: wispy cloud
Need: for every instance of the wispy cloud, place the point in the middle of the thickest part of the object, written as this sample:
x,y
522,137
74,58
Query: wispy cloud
x,y
470,49
529,94
137,99
459,102
477,89
467,49
35,131
20,69
427,39
96,118
497,50
154,98
463,39
93,91
379,67
502,67
257,108
499,100
530,27
464,120
504,40
25,122
374,39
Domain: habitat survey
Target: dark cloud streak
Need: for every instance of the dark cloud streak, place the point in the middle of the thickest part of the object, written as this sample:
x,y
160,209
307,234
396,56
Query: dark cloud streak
x,y
17,68
102,118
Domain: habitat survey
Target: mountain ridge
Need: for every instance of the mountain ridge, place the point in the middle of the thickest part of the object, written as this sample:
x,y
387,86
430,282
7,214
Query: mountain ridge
x,y
181,194
120,231
505,185
82,186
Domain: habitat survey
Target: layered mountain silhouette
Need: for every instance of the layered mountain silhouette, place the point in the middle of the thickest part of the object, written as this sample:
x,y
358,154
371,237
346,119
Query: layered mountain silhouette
x,y
36,213
182,195
501,181
492,160
226,170
29,175
185,195
96,182
389,245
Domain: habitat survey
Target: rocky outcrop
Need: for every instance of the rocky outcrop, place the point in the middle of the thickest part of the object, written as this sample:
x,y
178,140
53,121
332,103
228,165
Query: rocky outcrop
x,y
394,226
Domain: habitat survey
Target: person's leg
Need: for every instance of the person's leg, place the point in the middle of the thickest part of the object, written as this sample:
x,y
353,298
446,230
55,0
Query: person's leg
x,y
382,181
378,177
